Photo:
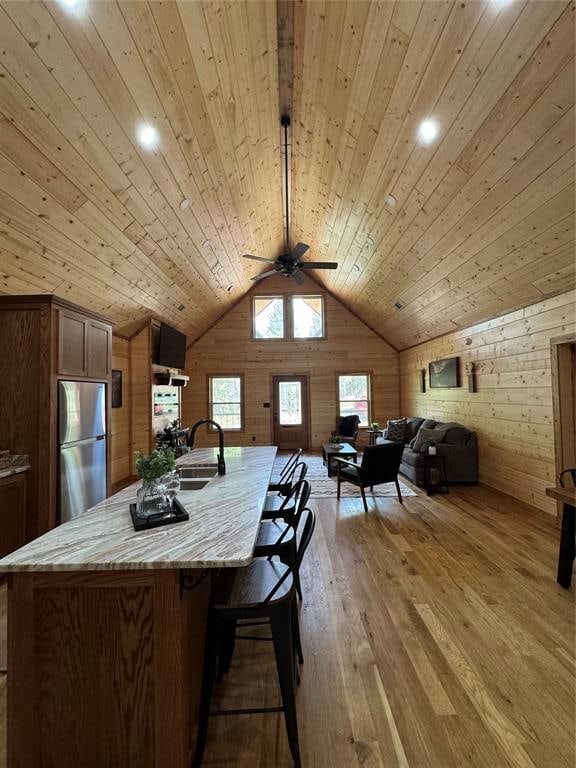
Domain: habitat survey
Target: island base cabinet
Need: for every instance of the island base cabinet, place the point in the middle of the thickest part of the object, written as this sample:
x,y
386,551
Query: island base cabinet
x,y
104,668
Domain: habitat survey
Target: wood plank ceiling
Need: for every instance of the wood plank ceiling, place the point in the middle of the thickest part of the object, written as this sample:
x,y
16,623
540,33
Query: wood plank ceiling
x,y
484,220
88,213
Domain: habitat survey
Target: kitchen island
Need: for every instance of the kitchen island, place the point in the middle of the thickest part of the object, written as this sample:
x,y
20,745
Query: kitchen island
x,y
106,626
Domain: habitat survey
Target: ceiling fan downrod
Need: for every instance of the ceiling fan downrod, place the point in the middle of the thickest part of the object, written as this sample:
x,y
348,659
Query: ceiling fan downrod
x,y
285,123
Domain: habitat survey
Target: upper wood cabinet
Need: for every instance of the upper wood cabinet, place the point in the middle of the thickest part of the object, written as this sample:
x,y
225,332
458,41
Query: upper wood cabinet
x,y
99,349
72,343
84,345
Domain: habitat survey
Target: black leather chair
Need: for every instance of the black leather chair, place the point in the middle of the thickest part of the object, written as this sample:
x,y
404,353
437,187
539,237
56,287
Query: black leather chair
x,y
380,464
348,429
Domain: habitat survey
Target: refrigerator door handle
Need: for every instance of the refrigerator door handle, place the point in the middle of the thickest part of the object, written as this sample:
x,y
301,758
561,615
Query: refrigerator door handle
x,y
87,441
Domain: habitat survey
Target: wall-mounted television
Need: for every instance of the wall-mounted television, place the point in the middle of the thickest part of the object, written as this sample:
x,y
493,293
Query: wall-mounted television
x,y
444,373
171,349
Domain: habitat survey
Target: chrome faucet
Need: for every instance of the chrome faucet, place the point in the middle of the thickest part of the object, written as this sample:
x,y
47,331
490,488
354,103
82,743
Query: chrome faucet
x,y
221,464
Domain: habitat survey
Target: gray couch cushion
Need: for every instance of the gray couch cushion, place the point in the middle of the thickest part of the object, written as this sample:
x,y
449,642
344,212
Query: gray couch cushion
x,y
427,434
430,423
412,459
454,433
413,424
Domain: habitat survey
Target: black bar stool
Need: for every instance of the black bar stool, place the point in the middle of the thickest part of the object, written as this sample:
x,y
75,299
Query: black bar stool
x,y
278,538
283,483
277,506
263,590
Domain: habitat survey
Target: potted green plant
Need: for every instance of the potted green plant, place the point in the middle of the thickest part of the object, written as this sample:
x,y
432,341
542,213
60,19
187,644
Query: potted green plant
x,y
152,469
375,425
335,438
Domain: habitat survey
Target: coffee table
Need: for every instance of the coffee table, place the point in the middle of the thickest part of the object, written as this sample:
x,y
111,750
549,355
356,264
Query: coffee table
x,y
344,450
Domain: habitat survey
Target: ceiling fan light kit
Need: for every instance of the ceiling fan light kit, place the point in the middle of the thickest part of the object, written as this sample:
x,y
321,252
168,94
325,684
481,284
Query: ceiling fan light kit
x,y
289,264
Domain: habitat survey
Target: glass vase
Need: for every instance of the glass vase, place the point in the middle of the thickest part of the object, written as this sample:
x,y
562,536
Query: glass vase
x,y
151,498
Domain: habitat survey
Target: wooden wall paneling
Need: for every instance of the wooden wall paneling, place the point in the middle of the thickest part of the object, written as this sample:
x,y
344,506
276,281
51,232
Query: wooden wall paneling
x,y
121,421
512,410
229,348
141,392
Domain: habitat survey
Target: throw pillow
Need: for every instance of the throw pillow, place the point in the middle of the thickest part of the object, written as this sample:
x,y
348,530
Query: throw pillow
x,y
396,429
427,434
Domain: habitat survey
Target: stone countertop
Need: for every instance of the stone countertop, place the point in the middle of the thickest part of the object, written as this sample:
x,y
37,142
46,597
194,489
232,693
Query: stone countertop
x,y
17,464
221,532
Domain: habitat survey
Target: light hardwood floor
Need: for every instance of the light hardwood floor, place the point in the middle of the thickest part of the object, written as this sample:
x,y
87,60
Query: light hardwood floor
x,y
435,636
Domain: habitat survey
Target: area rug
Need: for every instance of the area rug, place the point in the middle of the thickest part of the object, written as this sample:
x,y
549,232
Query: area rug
x,y
325,487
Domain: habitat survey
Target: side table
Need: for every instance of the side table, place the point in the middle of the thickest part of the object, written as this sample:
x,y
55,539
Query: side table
x,y
439,463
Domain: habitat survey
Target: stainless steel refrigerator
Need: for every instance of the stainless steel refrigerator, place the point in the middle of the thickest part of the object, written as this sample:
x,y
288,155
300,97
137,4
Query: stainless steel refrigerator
x,y
82,445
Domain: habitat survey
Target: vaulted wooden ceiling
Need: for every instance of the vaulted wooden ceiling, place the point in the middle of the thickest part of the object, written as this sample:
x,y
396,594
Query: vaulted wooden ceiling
x,y
484,215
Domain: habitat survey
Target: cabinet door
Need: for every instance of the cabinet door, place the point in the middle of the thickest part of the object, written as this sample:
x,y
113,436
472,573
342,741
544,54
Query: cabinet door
x,y
13,517
99,349
72,343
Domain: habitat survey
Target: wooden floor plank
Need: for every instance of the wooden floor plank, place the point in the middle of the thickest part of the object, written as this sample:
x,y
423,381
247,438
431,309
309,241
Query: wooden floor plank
x,y
434,635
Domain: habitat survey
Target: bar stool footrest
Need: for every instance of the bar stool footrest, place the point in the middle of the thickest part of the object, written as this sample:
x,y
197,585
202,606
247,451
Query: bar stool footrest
x,y
249,711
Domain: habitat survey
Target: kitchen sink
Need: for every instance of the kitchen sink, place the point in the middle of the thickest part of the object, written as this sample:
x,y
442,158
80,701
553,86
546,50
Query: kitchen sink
x,y
193,484
198,471
194,477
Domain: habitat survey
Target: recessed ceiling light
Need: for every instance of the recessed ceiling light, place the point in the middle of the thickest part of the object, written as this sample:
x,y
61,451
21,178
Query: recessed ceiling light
x,y
147,136
357,267
428,131
230,289
184,204
370,240
390,201
74,6
206,244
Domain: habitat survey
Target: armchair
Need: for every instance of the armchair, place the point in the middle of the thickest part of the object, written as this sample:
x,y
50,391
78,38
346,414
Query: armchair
x,y
380,464
348,428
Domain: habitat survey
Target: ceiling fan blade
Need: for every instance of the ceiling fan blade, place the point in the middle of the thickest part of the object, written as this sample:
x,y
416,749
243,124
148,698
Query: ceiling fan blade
x,y
257,258
298,277
299,250
263,275
318,265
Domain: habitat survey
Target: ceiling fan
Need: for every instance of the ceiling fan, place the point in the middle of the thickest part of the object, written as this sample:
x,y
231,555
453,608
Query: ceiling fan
x,y
289,263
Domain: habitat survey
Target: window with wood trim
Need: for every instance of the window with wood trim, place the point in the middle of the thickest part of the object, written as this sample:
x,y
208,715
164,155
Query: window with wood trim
x,y
227,401
288,317
308,317
268,317
354,396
